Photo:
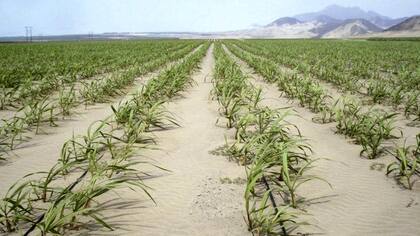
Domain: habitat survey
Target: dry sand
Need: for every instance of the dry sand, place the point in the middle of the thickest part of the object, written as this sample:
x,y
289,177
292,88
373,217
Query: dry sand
x,y
363,200
401,123
40,152
190,199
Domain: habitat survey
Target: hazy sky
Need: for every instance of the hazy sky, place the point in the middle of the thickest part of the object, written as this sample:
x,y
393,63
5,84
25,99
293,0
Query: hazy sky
x,y
83,16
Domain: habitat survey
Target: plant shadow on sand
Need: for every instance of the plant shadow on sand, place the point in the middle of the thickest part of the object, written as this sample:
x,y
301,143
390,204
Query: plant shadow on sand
x,y
114,220
118,221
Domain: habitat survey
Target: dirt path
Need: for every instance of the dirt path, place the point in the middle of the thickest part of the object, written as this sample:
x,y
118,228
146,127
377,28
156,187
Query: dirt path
x,y
363,201
190,200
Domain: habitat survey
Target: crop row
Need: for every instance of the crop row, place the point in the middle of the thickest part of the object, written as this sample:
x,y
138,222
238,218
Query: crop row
x,y
353,66
46,110
72,60
32,88
100,161
369,128
276,160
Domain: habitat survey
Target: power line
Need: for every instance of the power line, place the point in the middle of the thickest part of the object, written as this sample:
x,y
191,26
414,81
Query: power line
x,y
28,33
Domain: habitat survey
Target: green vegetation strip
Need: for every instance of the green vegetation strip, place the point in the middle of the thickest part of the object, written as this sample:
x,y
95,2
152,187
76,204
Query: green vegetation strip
x,y
369,129
37,80
104,155
45,110
387,71
276,160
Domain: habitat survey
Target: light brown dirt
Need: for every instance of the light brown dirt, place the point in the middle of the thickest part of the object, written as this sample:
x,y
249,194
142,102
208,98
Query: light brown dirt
x,y
40,152
190,199
363,200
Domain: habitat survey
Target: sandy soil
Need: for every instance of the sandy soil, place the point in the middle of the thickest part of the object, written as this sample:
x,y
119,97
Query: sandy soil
x,y
363,200
40,152
193,198
190,199
401,123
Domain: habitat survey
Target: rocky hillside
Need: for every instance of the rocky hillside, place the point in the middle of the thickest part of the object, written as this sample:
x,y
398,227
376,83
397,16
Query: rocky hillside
x,y
284,21
410,24
346,13
332,22
352,28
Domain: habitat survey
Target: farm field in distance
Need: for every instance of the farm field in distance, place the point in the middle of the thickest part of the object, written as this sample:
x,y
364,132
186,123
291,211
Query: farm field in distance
x,y
210,137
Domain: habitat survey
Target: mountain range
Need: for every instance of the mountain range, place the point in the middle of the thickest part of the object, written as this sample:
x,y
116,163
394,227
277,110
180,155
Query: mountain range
x,y
331,22
334,22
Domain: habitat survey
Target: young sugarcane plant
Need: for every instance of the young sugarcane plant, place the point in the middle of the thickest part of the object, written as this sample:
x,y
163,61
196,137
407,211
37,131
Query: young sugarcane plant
x,y
155,115
263,221
77,148
412,105
38,112
326,115
262,216
122,112
42,187
374,129
133,130
405,166
65,212
6,97
67,100
12,131
15,207
92,93
292,181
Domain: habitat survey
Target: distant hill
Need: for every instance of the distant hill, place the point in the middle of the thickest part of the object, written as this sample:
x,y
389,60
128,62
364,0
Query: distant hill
x,y
331,22
327,19
346,13
411,24
326,24
284,21
351,28
408,28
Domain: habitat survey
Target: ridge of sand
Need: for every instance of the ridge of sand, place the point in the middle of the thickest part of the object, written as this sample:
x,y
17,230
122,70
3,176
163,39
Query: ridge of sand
x,y
363,201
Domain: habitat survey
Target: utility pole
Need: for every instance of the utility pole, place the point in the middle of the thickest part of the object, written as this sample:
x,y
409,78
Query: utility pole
x,y
28,33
